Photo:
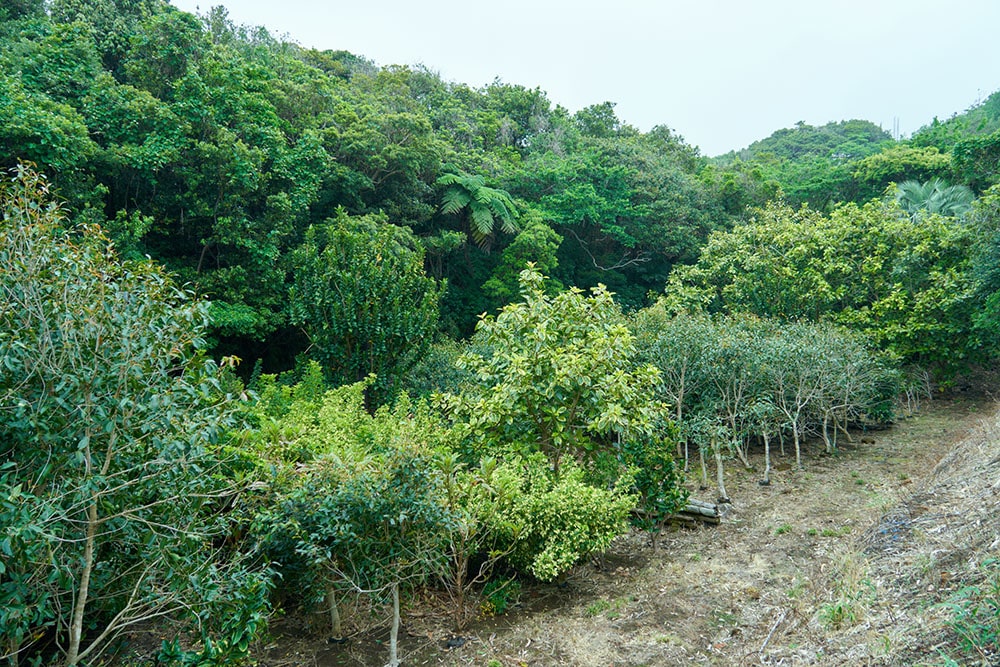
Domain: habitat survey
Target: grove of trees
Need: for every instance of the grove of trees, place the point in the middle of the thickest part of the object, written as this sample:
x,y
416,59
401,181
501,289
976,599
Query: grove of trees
x,y
283,329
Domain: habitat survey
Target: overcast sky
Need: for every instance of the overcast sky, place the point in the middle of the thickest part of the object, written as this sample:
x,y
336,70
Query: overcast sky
x,y
722,73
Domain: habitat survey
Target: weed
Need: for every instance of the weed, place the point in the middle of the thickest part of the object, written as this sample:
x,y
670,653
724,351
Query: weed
x,y
612,607
853,591
782,529
975,613
499,595
812,532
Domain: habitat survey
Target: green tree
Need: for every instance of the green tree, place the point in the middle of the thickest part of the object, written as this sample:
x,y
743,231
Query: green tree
x,y
361,295
871,269
109,419
486,206
559,377
934,196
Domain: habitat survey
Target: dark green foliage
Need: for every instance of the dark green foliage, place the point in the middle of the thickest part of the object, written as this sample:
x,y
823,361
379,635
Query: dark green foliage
x,y
361,294
111,415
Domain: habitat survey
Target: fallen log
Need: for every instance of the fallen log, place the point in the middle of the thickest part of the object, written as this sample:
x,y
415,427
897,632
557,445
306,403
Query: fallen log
x,y
696,511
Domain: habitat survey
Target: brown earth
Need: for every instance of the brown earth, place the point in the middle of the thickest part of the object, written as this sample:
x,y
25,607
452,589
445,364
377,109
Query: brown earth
x,y
842,563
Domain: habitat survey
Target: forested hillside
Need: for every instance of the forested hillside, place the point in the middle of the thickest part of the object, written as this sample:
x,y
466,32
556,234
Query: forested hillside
x,y
286,329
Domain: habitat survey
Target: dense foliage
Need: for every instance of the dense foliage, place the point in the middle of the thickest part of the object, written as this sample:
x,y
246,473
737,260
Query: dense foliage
x,y
360,232
111,413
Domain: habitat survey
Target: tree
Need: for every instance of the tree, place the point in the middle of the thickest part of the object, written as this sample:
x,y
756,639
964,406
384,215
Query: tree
x,y
367,508
560,378
361,295
907,287
934,196
485,206
109,418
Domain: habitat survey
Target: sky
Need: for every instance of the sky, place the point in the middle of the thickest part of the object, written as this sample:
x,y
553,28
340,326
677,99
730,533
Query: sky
x,y
721,73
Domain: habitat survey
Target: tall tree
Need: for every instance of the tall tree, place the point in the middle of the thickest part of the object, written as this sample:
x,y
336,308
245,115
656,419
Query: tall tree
x,y
361,295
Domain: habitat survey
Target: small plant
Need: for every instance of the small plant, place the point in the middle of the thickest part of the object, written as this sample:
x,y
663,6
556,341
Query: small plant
x,y
782,529
975,613
612,607
852,592
812,532
499,595
598,607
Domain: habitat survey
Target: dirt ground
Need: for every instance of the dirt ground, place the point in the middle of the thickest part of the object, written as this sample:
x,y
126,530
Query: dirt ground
x,y
842,563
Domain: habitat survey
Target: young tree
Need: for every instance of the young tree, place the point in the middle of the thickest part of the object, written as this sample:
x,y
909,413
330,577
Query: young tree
x,y
108,415
361,294
560,378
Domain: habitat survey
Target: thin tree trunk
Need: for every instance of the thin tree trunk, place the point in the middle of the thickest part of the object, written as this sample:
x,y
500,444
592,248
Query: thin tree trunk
x,y
798,448
79,608
767,458
686,456
719,473
826,433
704,468
394,633
331,596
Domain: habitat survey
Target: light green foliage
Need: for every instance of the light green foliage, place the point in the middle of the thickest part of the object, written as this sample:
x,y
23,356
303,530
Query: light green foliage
x,y
899,163
109,415
552,521
869,268
371,513
559,378
985,222
361,294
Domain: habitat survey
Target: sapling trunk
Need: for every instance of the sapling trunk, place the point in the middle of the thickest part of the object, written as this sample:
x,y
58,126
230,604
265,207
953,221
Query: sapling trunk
x,y
331,598
719,473
798,445
767,458
826,433
394,633
704,468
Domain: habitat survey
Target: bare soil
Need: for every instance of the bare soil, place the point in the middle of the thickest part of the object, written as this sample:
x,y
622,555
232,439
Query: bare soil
x,y
843,563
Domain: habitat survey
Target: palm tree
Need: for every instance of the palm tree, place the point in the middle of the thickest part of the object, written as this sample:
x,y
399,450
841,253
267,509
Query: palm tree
x,y
934,196
485,205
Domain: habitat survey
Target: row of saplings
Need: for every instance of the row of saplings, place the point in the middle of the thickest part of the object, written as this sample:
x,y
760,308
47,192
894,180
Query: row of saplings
x,y
563,431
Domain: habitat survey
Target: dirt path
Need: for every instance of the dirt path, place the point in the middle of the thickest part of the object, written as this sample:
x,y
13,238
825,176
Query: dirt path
x,y
784,580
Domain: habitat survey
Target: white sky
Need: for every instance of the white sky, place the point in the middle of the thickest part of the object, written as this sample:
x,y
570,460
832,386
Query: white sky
x,y
722,73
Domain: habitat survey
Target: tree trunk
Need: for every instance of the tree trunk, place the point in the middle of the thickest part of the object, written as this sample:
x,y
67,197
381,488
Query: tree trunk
x,y
704,468
767,458
331,597
798,447
79,608
826,432
719,473
394,633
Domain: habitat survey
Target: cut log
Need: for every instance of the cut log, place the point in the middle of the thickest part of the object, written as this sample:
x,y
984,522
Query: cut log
x,y
696,511
699,511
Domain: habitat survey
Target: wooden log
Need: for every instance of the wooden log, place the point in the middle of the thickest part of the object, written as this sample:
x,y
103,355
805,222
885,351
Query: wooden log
x,y
692,519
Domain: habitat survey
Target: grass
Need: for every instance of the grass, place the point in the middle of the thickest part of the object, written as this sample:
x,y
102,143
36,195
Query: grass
x,y
975,613
852,593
